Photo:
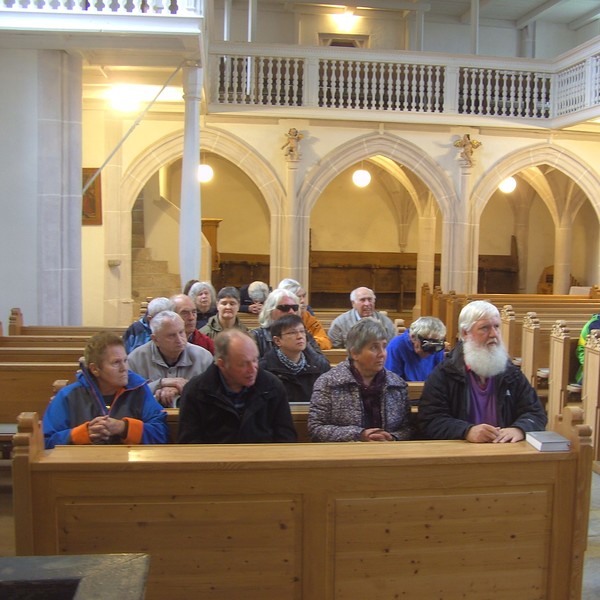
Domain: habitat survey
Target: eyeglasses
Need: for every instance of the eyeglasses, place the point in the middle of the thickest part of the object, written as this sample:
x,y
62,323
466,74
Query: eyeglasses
x,y
295,332
287,307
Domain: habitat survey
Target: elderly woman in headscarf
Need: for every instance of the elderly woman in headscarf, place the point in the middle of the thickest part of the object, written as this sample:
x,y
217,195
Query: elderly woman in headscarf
x,y
359,400
312,324
279,302
205,298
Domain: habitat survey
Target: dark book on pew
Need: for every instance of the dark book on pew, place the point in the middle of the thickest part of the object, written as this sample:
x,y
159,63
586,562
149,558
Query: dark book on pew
x,y
548,441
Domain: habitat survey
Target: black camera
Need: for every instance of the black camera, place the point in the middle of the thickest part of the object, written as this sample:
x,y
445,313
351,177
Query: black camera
x,y
431,346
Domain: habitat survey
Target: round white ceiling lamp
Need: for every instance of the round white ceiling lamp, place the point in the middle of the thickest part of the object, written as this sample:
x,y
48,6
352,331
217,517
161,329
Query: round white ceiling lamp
x,y
205,173
508,185
361,178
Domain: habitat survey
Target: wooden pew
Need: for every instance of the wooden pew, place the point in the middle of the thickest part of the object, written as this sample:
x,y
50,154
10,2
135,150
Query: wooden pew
x,y
535,349
36,355
43,341
590,390
563,368
27,386
314,521
16,326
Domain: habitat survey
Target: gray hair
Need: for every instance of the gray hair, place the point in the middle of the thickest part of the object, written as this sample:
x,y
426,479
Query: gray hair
x,y
290,284
473,312
364,332
273,299
353,293
427,327
258,291
158,305
161,318
203,285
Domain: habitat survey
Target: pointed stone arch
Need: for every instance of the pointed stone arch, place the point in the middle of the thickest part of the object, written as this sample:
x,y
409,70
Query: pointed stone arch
x,y
170,148
556,156
559,158
390,146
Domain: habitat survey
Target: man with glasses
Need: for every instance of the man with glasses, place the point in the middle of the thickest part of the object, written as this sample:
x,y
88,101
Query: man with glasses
x,y
363,305
279,303
186,309
292,360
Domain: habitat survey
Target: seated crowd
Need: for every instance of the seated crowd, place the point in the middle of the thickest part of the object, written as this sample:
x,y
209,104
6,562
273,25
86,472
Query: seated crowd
x,y
235,386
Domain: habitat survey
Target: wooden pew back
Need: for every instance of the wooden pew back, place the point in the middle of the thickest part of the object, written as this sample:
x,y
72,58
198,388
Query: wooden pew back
x,y
563,366
27,386
308,521
590,390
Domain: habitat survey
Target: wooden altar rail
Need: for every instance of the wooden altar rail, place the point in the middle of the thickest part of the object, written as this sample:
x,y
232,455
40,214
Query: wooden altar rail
x,y
317,521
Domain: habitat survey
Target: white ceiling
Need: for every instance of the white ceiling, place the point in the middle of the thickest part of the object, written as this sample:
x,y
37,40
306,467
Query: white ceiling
x,y
517,13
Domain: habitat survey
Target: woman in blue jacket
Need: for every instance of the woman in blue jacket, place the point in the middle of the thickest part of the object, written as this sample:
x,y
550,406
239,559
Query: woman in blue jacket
x,y
108,404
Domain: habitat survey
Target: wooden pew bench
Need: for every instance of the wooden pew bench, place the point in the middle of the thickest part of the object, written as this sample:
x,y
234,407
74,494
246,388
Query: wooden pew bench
x,y
314,521
16,326
563,369
535,350
27,386
43,341
36,355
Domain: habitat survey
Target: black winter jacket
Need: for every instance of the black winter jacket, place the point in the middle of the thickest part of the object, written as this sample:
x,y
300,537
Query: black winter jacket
x,y
444,405
207,415
299,386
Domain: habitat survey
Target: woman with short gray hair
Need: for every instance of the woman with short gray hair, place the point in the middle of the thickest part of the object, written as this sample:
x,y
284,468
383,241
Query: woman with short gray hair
x,y
359,400
205,298
416,352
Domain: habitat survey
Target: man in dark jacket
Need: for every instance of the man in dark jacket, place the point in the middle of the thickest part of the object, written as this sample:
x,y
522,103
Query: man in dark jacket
x,y
476,394
235,402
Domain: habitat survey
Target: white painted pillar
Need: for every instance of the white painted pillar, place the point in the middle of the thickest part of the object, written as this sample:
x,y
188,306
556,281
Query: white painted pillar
x,y
252,19
474,26
227,20
190,222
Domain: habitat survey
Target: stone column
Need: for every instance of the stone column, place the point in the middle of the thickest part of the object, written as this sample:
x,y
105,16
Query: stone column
x,y
58,165
190,223
562,258
425,253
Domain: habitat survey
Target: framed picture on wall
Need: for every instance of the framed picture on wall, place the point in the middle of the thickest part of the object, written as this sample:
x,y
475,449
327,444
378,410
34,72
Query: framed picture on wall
x,y
91,202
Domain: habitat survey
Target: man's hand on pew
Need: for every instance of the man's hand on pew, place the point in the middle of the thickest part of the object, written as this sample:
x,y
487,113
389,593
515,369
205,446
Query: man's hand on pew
x,y
102,428
484,433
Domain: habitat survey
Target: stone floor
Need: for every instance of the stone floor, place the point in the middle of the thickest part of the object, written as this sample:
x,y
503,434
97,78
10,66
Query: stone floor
x,y
591,578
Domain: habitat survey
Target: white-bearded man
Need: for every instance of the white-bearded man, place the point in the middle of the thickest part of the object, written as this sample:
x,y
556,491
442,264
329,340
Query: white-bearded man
x,y
476,394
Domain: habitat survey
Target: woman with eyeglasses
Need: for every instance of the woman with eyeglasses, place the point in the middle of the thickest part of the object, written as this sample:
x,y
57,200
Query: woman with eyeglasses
x,y
416,352
359,400
279,303
292,360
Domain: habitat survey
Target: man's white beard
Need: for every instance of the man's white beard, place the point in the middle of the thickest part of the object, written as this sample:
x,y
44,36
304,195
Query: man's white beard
x,y
485,361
